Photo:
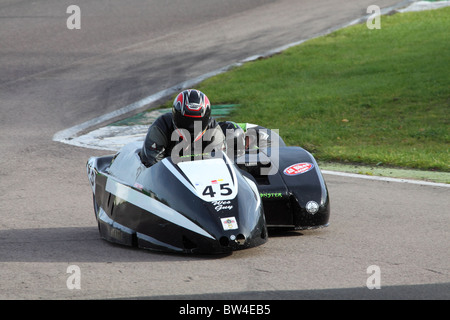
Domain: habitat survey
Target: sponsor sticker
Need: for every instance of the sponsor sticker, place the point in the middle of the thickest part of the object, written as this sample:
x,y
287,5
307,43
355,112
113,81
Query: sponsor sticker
x,y
271,195
229,223
222,205
298,168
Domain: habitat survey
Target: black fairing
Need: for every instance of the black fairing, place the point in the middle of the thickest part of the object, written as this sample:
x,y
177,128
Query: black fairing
x,y
285,196
167,188
159,208
135,221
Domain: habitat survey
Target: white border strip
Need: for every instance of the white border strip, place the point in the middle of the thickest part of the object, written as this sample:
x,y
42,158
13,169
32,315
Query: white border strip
x,y
361,176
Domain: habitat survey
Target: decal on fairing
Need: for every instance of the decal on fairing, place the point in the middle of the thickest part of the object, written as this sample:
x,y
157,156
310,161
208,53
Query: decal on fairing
x,y
222,205
211,180
229,223
298,168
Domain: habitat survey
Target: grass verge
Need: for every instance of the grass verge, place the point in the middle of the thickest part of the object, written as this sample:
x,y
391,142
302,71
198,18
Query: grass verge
x,y
378,97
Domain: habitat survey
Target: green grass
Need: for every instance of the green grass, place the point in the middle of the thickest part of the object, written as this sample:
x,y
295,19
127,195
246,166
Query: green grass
x,y
378,96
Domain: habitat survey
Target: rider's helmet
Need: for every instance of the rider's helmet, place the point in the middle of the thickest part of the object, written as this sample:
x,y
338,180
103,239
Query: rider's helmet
x,y
190,107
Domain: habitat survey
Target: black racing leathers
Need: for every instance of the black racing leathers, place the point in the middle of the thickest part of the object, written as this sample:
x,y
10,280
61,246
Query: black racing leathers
x,y
162,138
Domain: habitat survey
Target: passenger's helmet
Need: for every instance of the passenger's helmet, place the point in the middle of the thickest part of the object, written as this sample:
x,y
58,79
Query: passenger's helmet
x,y
189,107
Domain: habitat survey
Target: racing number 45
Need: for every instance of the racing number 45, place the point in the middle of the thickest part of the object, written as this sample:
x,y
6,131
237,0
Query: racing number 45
x,y
224,190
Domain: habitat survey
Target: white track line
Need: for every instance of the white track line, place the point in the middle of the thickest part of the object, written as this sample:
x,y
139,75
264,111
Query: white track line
x,y
361,176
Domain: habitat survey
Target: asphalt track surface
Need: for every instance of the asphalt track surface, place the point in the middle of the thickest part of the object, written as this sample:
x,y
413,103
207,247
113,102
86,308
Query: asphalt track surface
x,y
53,78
